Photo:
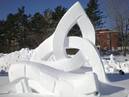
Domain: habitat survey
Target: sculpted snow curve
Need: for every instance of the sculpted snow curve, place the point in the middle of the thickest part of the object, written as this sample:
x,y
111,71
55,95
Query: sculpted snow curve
x,y
75,15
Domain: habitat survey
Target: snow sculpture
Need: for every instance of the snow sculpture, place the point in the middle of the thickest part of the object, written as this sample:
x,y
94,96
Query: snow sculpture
x,y
115,66
52,72
111,59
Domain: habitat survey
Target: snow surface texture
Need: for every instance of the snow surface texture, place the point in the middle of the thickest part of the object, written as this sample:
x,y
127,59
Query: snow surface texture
x,y
111,65
7,59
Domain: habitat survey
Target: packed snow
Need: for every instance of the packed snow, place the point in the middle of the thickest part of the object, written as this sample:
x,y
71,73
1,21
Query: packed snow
x,y
7,59
112,64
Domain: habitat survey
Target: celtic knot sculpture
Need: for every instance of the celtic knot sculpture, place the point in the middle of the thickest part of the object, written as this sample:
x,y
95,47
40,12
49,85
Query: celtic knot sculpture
x,y
51,71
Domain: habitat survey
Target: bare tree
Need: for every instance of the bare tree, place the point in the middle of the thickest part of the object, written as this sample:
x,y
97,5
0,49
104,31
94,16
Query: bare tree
x,y
118,11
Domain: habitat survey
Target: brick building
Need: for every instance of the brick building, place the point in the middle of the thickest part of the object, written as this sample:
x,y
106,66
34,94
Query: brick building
x,y
107,39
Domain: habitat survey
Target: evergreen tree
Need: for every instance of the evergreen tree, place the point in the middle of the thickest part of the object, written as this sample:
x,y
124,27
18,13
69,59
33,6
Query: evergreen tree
x,y
57,14
16,30
37,23
22,27
94,13
49,28
59,11
2,36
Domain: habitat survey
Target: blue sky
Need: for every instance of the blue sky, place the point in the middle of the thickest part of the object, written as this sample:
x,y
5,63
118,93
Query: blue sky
x,y
32,6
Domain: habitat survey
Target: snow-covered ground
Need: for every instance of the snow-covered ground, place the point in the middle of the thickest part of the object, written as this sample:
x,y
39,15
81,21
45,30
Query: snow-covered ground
x,y
113,64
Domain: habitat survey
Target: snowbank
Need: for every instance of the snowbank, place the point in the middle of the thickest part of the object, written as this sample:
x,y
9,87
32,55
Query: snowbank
x,y
119,62
116,64
7,59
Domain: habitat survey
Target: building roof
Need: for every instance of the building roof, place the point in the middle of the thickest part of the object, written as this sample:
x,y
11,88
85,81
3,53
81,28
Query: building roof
x,y
104,30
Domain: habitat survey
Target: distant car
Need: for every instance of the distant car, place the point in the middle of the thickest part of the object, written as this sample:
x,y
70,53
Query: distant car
x,y
109,52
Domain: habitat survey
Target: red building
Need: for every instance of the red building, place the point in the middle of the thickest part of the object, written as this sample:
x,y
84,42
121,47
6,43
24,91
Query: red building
x,y
107,39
